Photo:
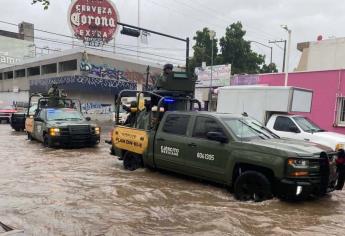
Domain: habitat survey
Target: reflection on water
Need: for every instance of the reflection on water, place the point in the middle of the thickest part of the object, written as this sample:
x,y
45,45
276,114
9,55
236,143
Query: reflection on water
x,y
87,192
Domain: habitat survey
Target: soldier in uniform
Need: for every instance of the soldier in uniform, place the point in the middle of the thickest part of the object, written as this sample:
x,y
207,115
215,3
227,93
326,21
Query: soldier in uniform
x,y
54,91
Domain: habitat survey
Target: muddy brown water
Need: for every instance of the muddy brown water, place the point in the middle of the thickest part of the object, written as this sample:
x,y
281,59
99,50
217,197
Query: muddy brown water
x,y
87,192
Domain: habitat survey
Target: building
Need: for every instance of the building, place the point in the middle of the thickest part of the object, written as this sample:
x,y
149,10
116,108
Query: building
x,y
93,76
321,55
15,47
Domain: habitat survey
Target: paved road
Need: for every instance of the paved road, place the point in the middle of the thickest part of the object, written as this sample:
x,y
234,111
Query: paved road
x,y
86,192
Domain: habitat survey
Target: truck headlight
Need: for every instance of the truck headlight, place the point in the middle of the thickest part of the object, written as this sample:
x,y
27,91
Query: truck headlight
x,y
97,130
298,163
339,146
54,132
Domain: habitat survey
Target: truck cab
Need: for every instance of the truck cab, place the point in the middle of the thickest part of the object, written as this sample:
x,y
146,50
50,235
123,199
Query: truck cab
x,y
301,128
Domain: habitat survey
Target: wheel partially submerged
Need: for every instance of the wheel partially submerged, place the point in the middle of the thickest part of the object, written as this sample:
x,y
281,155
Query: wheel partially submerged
x,y
132,161
252,186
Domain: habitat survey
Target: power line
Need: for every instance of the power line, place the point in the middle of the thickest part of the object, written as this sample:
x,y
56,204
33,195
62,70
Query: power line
x,y
61,42
218,15
83,46
72,37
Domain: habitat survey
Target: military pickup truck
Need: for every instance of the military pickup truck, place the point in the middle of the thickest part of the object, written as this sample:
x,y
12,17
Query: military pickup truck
x,y
233,150
57,122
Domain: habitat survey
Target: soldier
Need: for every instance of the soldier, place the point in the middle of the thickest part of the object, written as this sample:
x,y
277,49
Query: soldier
x,y
167,71
54,91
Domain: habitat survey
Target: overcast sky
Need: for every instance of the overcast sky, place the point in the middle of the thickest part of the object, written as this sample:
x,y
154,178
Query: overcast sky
x,y
261,19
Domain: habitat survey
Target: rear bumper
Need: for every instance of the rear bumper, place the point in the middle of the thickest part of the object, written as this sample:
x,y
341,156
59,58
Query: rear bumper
x,y
18,123
75,140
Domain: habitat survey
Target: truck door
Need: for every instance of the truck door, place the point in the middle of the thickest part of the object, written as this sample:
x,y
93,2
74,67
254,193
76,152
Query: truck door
x,y
208,158
171,142
39,126
284,127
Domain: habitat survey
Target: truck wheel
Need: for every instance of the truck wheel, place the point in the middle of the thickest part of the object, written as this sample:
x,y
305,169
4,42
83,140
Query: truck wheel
x,y
132,161
252,185
46,141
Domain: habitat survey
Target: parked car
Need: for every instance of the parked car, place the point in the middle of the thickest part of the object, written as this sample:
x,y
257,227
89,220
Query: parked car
x,y
273,105
6,112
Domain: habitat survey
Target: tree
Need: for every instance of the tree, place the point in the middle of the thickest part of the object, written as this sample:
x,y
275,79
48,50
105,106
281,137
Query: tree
x,y
237,51
45,3
271,68
234,50
203,49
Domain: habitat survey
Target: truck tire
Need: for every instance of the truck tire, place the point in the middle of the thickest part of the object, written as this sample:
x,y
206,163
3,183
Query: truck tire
x,y
252,185
132,161
46,141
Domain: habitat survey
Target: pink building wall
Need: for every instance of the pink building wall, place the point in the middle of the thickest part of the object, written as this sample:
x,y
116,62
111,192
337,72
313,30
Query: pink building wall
x,y
327,86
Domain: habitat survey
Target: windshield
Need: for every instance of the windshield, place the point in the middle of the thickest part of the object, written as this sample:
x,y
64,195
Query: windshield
x,y
64,114
307,125
247,129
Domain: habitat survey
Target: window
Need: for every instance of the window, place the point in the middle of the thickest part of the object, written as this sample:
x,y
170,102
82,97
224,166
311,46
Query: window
x,y
32,71
307,125
8,75
341,111
68,66
20,73
49,69
284,124
203,125
176,124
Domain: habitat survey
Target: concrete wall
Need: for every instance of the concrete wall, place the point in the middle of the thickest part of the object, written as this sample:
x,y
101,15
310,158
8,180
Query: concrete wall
x,y
323,55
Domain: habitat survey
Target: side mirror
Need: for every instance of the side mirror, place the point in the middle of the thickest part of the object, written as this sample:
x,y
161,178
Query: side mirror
x,y
217,136
38,119
294,129
88,118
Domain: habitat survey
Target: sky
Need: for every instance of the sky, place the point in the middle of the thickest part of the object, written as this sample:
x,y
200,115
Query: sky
x,y
262,19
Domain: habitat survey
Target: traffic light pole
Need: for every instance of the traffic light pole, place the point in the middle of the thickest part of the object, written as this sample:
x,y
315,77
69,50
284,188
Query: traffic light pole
x,y
186,40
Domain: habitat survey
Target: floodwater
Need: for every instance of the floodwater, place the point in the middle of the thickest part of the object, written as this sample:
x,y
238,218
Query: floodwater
x,y
87,192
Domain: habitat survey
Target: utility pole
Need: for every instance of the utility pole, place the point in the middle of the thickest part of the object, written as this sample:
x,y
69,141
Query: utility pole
x,y
212,35
288,53
281,41
147,78
271,48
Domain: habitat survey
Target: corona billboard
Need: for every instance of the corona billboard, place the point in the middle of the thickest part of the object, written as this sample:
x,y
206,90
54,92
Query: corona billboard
x,y
93,21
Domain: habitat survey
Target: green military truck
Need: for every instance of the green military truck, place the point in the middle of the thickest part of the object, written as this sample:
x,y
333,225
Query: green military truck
x,y
238,152
234,150
57,122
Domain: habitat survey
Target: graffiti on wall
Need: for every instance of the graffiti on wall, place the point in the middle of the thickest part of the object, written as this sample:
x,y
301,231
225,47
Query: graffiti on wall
x,y
96,108
103,71
82,84
108,72
244,80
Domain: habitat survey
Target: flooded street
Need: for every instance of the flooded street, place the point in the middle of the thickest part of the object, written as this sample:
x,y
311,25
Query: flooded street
x,y
87,192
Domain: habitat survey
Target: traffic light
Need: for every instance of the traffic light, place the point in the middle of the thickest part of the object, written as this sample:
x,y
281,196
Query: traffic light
x,y
130,32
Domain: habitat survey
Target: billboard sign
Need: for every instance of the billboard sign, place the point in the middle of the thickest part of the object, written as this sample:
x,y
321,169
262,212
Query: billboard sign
x,y
220,76
13,51
93,21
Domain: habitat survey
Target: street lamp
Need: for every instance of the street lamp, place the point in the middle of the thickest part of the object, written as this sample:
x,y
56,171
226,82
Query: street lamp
x,y
288,54
212,35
